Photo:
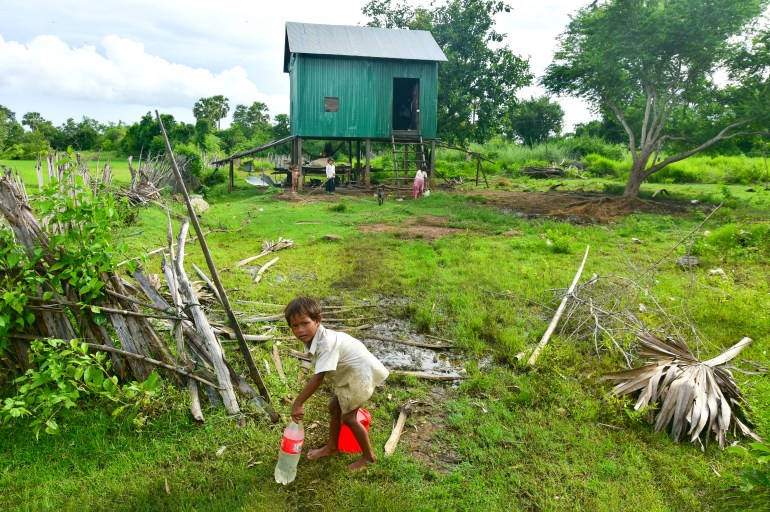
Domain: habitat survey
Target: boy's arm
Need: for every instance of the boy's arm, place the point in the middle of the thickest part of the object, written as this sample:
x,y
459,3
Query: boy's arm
x,y
297,410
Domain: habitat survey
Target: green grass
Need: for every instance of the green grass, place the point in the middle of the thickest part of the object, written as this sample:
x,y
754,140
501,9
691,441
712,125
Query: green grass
x,y
519,439
26,169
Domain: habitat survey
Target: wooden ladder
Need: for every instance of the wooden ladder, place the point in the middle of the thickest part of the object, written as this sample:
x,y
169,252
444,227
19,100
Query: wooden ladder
x,y
408,155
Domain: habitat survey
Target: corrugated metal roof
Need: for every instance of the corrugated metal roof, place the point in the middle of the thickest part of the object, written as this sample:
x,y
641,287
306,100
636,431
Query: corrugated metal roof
x,y
355,41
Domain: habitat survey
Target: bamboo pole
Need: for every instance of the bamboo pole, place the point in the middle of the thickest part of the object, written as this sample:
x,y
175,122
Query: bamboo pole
x,y
154,362
559,311
253,371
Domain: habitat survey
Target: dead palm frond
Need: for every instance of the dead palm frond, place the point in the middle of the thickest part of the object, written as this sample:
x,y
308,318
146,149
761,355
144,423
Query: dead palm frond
x,y
694,397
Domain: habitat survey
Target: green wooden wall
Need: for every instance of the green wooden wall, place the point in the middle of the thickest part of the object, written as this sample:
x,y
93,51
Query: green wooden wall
x,y
365,91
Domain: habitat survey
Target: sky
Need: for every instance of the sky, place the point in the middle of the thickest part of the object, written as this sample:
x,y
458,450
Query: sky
x,y
116,61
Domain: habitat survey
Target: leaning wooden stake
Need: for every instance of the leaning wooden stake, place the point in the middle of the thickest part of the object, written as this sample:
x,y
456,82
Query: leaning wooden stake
x,y
390,446
559,311
244,348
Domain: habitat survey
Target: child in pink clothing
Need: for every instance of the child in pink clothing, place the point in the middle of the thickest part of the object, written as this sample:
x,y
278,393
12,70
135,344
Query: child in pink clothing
x,y
352,368
419,182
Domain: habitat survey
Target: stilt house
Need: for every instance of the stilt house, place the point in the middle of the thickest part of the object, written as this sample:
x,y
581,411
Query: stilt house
x,y
363,84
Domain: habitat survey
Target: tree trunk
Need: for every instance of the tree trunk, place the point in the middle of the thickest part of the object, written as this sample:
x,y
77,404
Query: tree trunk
x,y
637,175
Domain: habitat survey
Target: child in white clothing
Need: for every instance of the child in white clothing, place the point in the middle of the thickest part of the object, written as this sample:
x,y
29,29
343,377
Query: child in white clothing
x,y
352,368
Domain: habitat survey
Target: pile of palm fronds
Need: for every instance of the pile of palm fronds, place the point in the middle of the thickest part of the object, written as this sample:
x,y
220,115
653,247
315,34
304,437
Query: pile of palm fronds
x,y
697,398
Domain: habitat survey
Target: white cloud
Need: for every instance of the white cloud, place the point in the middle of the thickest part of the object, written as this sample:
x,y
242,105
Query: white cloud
x,y
122,73
118,60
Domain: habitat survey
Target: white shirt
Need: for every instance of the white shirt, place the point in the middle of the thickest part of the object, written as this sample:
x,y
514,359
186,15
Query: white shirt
x,y
354,371
420,174
330,171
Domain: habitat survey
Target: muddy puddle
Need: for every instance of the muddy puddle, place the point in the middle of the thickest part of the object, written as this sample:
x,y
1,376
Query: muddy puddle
x,y
396,356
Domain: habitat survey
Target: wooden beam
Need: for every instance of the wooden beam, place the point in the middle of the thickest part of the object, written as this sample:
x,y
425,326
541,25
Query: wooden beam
x,y
432,162
368,171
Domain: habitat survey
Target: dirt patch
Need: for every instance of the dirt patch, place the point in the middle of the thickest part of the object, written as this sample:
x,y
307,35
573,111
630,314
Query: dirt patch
x,y
406,232
419,440
580,207
423,227
575,206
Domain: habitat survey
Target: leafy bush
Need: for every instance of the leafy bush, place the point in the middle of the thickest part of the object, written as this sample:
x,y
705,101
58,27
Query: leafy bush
x,y
65,374
742,241
757,478
679,172
340,207
585,145
601,166
85,249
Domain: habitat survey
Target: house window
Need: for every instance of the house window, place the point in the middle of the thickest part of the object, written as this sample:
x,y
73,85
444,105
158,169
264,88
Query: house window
x,y
331,104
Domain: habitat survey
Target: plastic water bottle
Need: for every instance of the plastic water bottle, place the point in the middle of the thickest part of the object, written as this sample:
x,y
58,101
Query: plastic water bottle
x,y
288,456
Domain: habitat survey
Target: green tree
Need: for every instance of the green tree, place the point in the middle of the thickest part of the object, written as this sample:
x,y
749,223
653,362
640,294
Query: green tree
x,y
144,137
212,109
280,129
11,132
33,120
251,119
536,120
652,64
477,84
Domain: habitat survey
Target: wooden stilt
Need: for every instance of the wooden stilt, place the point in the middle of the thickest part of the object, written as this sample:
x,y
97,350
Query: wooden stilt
x,y
368,163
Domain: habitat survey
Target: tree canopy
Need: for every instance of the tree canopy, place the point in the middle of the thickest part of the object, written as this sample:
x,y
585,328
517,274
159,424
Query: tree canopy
x,y
654,64
212,109
535,120
477,84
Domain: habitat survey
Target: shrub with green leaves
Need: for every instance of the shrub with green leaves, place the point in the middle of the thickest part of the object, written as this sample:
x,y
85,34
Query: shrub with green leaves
x,y
599,165
65,374
79,225
755,478
736,241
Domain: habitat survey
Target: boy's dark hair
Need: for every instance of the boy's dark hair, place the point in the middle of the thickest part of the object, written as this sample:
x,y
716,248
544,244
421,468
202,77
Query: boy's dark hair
x,y
303,306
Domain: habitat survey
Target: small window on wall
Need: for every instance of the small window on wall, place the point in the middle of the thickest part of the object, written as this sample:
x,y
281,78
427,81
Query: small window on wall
x,y
331,104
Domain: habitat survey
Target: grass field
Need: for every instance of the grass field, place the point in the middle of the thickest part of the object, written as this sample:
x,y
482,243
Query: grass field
x,y
507,437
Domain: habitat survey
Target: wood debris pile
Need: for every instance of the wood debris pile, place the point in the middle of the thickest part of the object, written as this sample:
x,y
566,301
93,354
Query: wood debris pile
x,y
123,316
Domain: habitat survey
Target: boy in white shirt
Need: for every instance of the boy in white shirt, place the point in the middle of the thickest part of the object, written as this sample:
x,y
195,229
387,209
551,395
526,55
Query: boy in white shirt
x,y
353,370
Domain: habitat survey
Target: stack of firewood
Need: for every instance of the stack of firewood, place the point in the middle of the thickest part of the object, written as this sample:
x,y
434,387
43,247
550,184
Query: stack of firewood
x,y
125,316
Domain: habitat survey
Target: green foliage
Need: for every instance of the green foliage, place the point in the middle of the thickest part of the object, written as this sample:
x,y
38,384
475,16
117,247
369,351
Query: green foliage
x,y
212,109
666,88
599,165
340,207
477,84
65,375
536,120
581,146
85,248
755,479
736,241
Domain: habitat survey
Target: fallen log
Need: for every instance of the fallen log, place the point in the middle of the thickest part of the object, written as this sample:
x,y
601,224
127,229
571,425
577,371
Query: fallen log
x,y
395,435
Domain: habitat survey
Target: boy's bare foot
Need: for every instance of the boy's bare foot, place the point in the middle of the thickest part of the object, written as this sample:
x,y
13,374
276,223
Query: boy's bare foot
x,y
360,464
325,451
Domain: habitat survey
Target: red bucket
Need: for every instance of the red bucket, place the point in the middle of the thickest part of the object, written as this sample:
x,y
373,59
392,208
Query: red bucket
x,y
347,442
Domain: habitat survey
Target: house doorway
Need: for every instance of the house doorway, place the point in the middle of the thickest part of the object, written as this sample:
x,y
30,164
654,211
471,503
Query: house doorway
x,y
406,104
